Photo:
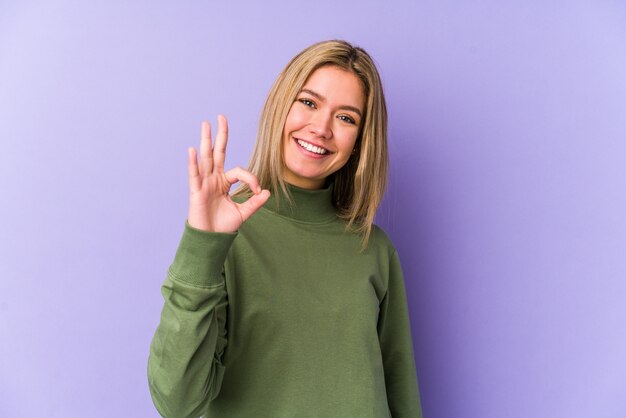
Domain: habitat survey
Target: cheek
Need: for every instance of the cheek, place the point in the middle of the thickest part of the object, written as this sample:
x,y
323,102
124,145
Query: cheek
x,y
349,141
296,119
292,124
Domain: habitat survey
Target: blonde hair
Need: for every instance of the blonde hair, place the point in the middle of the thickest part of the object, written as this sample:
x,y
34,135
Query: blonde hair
x,y
359,185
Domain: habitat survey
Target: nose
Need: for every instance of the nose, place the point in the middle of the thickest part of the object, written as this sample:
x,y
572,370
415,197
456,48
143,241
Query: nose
x,y
320,125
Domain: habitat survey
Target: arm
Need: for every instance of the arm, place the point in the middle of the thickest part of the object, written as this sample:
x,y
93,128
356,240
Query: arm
x,y
394,333
185,369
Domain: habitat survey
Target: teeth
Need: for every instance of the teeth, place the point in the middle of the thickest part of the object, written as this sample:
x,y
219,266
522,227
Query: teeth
x,y
311,147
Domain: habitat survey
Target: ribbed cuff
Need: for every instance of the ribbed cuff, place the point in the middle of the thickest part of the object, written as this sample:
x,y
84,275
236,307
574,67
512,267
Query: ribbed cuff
x,y
200,256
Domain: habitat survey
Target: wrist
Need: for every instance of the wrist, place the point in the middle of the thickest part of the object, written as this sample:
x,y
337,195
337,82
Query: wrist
x,y
202,226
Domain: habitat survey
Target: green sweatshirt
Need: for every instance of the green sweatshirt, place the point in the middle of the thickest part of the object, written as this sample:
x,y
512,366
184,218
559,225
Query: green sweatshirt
x,y
285,318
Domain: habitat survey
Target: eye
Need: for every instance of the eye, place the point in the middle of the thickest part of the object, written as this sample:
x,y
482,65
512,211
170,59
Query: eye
x,y
347,119
307,102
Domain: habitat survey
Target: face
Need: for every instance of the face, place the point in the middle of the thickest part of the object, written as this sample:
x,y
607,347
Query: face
x,y
322,126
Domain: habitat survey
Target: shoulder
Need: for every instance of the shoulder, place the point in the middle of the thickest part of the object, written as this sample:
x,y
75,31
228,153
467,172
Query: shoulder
x,y
380,241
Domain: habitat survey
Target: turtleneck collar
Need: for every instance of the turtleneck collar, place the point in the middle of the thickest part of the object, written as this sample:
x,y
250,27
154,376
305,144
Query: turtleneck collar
x,y
308,205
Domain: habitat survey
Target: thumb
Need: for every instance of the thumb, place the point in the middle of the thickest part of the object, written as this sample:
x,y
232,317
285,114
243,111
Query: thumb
x,y
254,203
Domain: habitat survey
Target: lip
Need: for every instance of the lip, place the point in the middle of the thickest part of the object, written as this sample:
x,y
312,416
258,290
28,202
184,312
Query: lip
x,y
309,153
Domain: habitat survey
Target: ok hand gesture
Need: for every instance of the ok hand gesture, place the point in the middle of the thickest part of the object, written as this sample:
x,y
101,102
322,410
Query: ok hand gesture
x,y
210,206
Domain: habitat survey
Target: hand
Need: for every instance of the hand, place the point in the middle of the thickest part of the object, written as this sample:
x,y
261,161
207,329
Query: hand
x,y
210,206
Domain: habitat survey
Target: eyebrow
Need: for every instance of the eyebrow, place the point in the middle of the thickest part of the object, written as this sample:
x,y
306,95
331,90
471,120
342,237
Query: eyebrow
x,y
323,99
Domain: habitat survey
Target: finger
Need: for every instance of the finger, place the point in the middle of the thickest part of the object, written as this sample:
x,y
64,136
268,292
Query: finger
x,y
247,208
195,181
219,151
239,174
206,159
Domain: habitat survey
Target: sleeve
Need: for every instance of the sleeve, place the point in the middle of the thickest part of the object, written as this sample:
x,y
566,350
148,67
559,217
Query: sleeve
x,y
394,333
184,368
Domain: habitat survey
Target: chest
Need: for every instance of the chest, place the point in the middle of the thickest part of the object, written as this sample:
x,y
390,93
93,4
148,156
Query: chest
x,y
310,278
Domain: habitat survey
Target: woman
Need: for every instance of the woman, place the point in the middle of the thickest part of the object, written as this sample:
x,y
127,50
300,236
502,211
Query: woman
x,y
285,300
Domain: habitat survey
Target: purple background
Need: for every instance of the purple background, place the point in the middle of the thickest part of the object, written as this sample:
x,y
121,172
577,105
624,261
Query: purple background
x,y
507,198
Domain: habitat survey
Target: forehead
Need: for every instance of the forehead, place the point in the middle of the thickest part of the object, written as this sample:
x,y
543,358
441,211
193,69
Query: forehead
x,y
337,85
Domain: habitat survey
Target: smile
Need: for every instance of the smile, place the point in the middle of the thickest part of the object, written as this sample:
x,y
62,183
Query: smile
x,y
312,148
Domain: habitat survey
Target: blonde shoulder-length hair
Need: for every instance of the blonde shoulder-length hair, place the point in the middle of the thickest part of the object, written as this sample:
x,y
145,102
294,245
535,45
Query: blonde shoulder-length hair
x,y
360,184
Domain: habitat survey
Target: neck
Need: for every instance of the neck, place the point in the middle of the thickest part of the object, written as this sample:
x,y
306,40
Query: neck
x,y
306,205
